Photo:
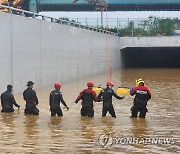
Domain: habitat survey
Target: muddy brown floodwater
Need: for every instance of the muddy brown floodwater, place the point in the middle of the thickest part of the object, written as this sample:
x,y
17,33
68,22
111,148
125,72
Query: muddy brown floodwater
x,y
158,133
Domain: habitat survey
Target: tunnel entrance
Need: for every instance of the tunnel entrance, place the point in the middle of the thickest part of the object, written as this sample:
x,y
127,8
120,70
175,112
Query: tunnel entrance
x,y
150,57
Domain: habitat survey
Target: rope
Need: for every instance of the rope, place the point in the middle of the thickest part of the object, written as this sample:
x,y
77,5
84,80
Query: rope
x,y
108,48
109,52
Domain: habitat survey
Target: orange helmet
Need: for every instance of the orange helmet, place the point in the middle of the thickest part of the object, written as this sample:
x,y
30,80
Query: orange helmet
x,y
109,83
57,85
90,84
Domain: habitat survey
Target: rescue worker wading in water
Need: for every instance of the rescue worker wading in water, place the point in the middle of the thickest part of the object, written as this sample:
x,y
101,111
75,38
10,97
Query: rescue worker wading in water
x,y
7,100
143,94
54,101
106,96
31,99
87,96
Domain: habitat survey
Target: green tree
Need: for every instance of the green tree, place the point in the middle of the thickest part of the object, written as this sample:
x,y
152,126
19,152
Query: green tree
x,y
177,23
125,32
167,26
151,25
140,32
156,25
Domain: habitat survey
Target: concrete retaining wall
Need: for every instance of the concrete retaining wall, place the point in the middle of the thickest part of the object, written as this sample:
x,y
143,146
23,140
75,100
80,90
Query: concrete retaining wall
x,y
46,52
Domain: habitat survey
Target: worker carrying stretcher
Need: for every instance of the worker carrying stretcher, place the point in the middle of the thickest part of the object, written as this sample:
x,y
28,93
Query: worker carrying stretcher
x,y
142,96
87,96
106,96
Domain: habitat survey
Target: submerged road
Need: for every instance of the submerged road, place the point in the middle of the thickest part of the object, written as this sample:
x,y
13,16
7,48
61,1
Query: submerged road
x,y
73,134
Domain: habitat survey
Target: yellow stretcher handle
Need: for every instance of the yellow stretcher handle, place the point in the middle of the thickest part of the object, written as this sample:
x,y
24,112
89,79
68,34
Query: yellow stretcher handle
x,y
97,89
119,91
122,91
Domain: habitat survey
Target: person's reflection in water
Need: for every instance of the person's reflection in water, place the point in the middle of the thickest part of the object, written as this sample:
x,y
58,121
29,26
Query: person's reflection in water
x,y
87,128
139,131
88,135
31,131
108,123
55,123
7,120
56,134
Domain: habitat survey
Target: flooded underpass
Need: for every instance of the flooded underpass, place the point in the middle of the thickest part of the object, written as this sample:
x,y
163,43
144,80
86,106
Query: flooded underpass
x,y
151,57
74,134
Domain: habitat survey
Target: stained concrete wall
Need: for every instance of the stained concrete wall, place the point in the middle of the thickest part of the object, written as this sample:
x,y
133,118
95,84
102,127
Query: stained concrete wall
x,y
46,52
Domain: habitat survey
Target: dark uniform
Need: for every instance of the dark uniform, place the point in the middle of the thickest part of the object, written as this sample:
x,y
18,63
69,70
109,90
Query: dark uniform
x,y
87,96
7,102
31,99
106,95
140,101
54,102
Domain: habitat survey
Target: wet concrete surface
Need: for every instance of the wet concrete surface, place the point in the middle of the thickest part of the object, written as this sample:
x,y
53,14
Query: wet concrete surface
x,y
74,134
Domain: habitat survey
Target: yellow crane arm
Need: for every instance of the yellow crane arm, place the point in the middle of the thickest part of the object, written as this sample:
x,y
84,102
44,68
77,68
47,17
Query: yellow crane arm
x,y
13,3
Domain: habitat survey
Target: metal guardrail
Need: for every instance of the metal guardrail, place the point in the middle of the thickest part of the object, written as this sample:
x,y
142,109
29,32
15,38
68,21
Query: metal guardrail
x,y
54,20
110,2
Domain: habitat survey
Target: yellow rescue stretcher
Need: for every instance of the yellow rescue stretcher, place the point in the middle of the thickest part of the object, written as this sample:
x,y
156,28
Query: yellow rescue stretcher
x,y
122,91
97,90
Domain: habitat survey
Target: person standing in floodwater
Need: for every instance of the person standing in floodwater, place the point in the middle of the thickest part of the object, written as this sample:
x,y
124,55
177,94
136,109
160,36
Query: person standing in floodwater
x,y
54,101
31,99
143,95
106,96
87,96
7,100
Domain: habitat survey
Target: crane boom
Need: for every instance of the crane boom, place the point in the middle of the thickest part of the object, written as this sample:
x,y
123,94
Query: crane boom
x,y
12,3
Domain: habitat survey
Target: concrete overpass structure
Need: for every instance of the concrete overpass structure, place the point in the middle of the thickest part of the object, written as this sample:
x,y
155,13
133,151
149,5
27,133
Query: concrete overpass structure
x,y
97,5
113,5
159,41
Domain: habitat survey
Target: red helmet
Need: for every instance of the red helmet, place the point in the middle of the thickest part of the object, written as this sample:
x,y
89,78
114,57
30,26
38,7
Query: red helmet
x,y
57,85
90,84
109,83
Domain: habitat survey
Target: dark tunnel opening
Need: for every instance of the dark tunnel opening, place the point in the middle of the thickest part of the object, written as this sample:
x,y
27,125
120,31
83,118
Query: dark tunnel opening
x,y
150,57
